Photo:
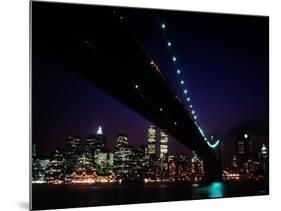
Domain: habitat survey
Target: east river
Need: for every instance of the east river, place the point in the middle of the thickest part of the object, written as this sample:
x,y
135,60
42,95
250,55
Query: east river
x,y
64,196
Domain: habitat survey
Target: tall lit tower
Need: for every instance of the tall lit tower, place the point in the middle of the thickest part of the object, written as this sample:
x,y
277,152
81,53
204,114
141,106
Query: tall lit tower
x,y
95,143
163,144
151,140
243,149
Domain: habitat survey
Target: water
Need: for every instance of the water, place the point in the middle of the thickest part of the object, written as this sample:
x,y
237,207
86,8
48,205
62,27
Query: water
x,y
65,196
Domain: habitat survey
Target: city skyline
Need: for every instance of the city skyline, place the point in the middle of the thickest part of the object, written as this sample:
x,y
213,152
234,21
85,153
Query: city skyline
x,y
227,97
87,161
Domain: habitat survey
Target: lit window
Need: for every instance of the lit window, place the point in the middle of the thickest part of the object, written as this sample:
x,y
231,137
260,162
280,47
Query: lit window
x,y
182,82
178,71
163,26
174,59
185,91
169,43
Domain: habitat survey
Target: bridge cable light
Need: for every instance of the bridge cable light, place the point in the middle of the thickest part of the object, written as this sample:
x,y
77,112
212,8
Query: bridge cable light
x,y
178,71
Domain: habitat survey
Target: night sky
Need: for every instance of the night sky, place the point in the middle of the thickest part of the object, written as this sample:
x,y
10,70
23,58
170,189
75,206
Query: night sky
x,y
224,60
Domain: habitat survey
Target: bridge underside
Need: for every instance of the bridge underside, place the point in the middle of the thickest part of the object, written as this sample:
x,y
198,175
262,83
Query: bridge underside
x,y
98,46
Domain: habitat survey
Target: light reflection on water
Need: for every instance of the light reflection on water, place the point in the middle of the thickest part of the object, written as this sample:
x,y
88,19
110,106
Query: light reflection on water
x,y
213,190
216,190
63,196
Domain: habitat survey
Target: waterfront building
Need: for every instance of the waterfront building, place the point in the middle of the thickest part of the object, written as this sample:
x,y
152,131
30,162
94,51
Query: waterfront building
x,y
55,171
104,162
123,156
72,152
91,178
39,167
197,167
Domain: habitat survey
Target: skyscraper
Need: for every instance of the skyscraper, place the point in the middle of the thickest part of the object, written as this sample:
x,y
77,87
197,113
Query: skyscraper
x,y
151,141
55,170
72,152
123,155
243,149
163,145
197,167
95,143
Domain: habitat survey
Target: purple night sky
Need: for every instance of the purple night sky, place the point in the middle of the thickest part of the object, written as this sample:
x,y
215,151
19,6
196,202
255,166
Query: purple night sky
x,y
224,59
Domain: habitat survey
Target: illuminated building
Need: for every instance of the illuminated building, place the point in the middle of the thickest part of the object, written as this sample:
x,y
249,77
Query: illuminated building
x,y
123,156
264,163
163,145
264,151
172,168
74,143
95,143
162,164
72,152
55,169
33,150
234,163
138,167
171,158
197,167
151,141
183,167
84,163
228,176
243,149
38,170
104,162
91,178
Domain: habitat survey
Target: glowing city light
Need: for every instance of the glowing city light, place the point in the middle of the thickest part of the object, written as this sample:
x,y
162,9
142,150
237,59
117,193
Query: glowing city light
x,y
213,145
178,71
245,135
99,132
136,86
